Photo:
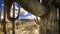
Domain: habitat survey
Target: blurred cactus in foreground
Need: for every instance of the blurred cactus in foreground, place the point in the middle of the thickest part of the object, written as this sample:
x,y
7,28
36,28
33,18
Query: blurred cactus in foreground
x,y
37,20
46,10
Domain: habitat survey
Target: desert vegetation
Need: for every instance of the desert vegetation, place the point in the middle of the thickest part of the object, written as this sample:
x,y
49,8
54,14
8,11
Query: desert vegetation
x,y
25,28
47,11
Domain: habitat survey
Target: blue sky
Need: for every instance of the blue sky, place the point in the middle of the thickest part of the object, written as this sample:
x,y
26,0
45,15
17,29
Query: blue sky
x,y
22,16
1,2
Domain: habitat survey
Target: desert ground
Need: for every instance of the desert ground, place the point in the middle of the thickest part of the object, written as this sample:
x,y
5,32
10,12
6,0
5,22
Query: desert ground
x,y
21,28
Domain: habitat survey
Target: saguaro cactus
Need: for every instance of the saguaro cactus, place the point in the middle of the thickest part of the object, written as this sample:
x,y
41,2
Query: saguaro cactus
x,y
4,20
18,17
12,19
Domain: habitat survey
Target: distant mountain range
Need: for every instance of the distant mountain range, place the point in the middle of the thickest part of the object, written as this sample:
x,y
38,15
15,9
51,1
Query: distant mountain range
x,y
27,20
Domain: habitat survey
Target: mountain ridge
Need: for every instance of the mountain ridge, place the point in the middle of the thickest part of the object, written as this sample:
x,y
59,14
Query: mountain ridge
x,y
27,20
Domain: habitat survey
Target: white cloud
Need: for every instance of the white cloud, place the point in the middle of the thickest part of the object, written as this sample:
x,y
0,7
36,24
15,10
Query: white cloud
x,y
2,17
19,18
22,11
2,5
30,17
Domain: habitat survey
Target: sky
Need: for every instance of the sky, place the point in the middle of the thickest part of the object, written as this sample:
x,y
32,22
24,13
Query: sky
x,y
1,2
23,13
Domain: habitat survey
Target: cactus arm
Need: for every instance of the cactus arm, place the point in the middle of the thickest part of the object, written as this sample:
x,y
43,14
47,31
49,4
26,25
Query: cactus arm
x,y
32,6
18,13
7,6
13,9
37,20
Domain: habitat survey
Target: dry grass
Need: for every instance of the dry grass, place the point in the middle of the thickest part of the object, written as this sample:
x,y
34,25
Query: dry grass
x,y
1,32
20,27
9,26
28,24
